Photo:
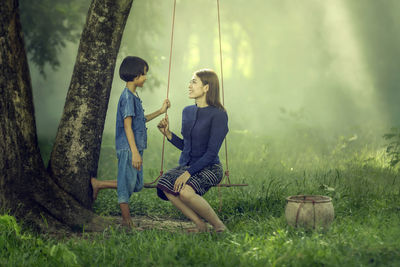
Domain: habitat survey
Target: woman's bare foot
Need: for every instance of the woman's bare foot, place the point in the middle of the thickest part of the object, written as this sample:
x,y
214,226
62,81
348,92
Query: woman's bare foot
x,y
95,187
196,230
221,229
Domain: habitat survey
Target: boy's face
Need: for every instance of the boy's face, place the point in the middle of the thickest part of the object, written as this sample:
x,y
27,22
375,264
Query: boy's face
x,y
140,80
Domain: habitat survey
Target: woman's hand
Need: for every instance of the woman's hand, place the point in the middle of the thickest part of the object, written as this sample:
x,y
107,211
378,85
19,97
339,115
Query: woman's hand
x,y
136,160
181,181
163,126
166,105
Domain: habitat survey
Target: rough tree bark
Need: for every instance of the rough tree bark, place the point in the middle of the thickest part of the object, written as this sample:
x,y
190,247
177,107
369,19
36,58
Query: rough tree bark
x,y
27,190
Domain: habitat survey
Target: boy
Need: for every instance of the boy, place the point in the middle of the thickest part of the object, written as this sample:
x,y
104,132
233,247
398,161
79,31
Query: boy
x,y
130,136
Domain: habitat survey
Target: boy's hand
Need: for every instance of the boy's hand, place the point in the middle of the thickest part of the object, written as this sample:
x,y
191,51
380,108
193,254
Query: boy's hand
x,y
163,126
166,105
136,160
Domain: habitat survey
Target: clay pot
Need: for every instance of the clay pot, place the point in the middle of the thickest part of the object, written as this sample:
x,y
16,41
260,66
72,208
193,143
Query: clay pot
x,y
309,212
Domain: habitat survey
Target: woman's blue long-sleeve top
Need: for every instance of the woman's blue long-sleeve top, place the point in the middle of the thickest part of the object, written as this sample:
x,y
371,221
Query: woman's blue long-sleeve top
x,y
203,131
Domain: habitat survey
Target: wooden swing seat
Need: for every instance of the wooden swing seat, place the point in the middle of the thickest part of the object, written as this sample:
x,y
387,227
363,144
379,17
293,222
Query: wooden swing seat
x,y
150,185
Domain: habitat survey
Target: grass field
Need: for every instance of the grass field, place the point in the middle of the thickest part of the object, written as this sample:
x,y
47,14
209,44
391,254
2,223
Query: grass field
x,y
353,170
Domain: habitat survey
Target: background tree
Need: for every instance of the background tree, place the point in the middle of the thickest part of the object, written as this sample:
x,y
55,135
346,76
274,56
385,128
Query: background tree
x,y
44,40
381,48
45,198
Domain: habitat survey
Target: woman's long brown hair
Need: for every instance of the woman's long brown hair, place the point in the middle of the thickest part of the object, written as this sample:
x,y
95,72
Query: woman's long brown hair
x,y
208,76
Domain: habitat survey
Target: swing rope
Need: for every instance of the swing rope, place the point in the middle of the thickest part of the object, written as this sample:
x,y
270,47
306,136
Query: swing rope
x,y
150,185
228,184
226,176
223,103
222,87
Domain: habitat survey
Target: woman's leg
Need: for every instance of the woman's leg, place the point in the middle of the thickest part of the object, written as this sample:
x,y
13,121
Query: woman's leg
x,y
98,184
187,211
200,206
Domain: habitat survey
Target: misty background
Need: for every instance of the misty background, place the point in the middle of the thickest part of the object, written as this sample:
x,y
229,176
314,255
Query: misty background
x,y
330,66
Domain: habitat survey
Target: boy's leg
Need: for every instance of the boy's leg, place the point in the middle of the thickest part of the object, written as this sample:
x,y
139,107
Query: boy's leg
x,y
126,215
97,185
124,184
138,182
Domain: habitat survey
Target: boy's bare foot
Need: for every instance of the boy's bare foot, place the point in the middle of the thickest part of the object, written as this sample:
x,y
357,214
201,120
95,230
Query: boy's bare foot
x,y
95,187
128,225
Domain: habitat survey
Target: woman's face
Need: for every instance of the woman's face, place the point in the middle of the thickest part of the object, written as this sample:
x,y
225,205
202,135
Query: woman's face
x,y
196,88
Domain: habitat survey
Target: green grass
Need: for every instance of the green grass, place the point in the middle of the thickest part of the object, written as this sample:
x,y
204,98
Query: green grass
x,y
365,192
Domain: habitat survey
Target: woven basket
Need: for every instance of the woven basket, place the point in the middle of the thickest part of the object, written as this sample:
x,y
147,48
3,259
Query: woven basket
x,y
309,212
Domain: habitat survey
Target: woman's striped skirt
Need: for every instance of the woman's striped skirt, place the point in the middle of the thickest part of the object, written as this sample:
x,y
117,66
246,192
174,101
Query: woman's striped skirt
x,y
201,181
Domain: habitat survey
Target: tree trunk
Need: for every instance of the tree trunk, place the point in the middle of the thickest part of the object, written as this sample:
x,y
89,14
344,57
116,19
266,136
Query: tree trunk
x,y
380,45
77,146
26,189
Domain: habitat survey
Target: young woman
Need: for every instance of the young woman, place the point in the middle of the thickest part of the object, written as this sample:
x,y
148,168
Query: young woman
x,y
204,127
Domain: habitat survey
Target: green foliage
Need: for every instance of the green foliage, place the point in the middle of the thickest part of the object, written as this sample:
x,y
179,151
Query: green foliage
x,y
23,249
393,148
364,191
47,26
9,232
63,255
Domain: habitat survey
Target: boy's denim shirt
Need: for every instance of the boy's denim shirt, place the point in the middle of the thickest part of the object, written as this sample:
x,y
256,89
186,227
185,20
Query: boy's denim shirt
x,y
130,105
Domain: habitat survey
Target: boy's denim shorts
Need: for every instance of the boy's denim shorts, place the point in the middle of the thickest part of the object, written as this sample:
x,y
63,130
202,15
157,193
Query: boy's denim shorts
x,y
129,179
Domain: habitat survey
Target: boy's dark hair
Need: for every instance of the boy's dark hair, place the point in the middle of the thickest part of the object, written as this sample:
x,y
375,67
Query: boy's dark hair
x,y
131,67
